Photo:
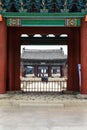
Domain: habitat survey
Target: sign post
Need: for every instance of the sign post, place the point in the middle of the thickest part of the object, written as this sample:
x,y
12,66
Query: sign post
x,y
79,73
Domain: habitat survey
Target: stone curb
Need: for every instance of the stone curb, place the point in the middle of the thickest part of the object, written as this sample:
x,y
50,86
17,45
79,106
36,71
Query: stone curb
x,y
60,103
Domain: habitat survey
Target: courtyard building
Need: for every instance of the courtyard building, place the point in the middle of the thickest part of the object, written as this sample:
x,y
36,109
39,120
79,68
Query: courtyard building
x,y
44,62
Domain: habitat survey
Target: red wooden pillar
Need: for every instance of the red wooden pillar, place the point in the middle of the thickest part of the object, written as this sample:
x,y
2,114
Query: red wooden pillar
x,y
76,57
84,57
17,59
13,59
3,54
73,60
70,63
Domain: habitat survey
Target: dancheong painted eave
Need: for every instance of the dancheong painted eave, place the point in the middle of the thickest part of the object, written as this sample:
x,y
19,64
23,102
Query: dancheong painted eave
x,y
43,15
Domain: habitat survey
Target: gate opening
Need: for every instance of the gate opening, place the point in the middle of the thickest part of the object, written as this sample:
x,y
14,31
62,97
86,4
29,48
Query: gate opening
x,y
43,67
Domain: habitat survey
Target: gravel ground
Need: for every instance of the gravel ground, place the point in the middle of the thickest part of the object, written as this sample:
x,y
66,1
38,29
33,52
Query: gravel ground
x,y
60,99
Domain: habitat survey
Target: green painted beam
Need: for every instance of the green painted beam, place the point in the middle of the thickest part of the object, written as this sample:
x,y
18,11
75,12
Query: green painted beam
x,y
43,22
16,22
43,15
43,19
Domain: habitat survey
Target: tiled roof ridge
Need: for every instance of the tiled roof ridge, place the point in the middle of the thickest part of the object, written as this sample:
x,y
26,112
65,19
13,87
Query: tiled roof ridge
x,y
42,50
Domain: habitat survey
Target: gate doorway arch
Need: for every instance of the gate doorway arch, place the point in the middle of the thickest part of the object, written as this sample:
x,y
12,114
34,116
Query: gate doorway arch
x,y
13,53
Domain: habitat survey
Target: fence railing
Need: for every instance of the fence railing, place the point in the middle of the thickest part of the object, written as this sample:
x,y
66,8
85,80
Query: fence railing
x,y
39,86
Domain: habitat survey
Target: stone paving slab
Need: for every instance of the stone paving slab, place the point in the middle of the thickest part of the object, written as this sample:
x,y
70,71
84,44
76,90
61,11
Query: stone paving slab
x,y
70,128
43,118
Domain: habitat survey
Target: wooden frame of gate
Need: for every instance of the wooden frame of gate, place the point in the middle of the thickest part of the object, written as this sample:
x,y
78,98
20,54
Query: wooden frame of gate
x,y
14,34
70,22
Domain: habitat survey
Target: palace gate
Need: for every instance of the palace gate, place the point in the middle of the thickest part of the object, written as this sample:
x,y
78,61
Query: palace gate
x,y
42,17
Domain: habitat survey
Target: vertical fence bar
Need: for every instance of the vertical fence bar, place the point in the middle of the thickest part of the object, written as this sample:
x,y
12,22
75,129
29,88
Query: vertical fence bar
x,y
39,86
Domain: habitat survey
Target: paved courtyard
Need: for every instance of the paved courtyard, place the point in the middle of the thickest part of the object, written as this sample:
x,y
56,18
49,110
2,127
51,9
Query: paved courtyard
x,y
36,117
43,111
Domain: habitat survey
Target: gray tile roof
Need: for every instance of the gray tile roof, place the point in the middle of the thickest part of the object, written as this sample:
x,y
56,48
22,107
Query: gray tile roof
x,y
32,54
